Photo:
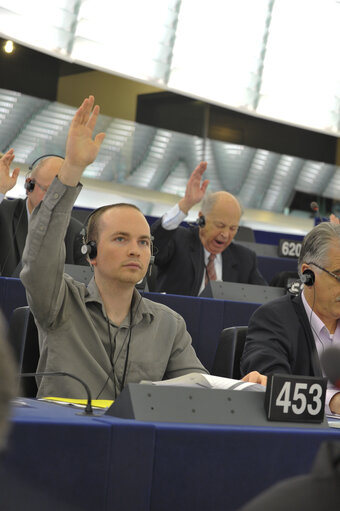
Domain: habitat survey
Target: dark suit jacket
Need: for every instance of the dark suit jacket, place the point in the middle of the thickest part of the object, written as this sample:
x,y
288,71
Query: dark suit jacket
x,y
13,232
280,340
313,492
179,257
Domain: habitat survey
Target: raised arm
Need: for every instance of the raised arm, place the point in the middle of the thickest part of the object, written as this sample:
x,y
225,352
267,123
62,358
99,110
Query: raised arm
x,y
195,189
7,181
81,148
44,254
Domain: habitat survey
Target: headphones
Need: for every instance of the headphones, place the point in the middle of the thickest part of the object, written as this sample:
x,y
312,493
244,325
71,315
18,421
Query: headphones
x,y
308,277
200,221
30,182
90,247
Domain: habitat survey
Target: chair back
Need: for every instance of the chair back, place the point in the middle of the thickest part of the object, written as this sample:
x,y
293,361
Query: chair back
x,y
23,336
229,352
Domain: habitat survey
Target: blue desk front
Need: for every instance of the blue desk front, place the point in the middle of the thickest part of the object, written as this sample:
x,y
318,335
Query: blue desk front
x,y
205,317
60,461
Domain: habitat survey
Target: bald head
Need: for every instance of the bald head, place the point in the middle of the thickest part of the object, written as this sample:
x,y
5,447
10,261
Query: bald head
x,y
219,199
222,212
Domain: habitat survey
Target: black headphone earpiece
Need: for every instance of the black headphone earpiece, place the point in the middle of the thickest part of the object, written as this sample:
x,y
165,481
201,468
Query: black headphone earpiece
x,y
308,277
89,248
200,221
29,184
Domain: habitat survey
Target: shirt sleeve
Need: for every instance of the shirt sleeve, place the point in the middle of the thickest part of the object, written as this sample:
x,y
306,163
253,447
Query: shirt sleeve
x,y
44,254
173,218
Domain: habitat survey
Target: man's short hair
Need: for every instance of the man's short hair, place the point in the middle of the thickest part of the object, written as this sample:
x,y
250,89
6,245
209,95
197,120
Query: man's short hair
x,y
317,242
92,224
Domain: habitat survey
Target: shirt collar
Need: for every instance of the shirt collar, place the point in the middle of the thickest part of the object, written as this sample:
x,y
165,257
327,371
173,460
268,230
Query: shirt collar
x,y
140,307
218,257
315,322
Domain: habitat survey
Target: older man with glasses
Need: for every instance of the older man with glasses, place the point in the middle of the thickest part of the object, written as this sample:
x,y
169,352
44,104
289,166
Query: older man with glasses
x,y
15,214
288,335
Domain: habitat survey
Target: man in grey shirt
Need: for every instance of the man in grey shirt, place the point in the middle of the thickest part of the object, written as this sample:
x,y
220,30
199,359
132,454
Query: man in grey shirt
x,y
106,333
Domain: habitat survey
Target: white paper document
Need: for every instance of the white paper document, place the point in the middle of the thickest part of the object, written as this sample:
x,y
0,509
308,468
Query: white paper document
x,y
208,381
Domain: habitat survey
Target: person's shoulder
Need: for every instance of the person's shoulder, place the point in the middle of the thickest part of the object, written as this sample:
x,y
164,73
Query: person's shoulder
x,y
12,204
277,305
241,250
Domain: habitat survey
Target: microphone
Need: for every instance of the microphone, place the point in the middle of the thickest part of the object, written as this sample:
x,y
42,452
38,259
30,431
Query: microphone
x,y
88,409
330,361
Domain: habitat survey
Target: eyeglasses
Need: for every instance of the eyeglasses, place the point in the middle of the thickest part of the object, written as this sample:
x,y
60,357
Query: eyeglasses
x,y
337,277
43,188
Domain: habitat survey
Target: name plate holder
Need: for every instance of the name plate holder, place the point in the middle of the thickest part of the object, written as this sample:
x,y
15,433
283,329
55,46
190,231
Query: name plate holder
x,y
295,398
192,405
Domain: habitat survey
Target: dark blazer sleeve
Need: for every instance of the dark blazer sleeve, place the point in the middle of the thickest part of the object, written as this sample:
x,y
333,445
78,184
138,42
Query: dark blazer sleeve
x,y
13,232
279,340
164,243
73,243
178,258
240,265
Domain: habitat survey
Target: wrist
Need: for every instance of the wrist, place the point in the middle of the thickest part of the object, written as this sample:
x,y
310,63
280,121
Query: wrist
x,y
70,174
184,206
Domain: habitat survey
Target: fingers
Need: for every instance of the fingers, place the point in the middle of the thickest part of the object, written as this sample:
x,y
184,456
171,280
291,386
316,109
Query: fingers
x,y
255,377
200,169
8,157
93,118
99,139
15,173
204,185
84,111
333,219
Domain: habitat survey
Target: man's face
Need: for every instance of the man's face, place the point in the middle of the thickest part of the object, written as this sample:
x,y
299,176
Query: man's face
x,y
221,224
123,246
325,293
43,177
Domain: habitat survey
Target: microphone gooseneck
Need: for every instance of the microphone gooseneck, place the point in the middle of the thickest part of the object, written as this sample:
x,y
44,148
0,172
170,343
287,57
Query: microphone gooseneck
x,y
88,409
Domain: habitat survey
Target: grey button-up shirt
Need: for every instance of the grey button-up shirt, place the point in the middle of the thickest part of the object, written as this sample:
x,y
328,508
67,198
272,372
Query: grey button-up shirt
x,y
75,333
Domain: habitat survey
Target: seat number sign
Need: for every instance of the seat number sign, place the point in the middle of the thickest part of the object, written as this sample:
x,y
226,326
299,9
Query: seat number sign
x,y
289,248
295,398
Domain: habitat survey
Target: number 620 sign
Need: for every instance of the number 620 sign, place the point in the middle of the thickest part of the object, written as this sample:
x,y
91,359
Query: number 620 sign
x,y
295,398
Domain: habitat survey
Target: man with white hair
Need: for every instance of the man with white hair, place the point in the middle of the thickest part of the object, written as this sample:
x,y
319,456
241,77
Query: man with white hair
x,y
187,258
288,335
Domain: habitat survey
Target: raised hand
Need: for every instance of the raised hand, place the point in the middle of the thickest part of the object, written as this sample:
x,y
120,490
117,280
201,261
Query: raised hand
x,y
334,219
7,181
195,189
81,147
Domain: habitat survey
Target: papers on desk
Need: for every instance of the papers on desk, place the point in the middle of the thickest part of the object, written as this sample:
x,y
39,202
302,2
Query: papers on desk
x,y
208,381
79,403
333,420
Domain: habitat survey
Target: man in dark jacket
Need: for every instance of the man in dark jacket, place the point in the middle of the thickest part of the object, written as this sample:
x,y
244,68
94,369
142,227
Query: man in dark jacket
x,y
15,214
289,334
187,258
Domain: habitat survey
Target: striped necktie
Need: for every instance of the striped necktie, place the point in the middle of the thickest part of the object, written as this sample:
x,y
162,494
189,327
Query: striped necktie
x,y
210,273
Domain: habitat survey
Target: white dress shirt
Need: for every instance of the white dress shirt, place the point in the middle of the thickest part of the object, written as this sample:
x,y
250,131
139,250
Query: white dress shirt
x,y
323,339
170,221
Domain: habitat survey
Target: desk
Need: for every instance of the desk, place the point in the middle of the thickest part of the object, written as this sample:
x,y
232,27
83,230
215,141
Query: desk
x,y
59,461
205,317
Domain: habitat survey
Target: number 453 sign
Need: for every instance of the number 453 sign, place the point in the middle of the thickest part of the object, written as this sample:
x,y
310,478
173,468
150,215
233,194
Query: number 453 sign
x,y
295,398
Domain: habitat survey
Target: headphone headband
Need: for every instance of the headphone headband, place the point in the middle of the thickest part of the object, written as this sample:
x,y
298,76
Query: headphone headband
x,y
42,157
